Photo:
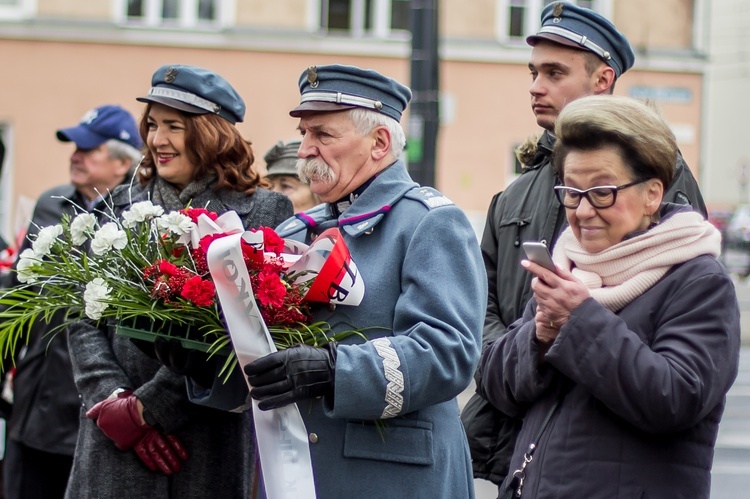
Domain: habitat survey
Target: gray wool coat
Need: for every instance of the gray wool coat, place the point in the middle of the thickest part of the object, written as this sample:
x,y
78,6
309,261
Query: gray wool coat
x,y
220,444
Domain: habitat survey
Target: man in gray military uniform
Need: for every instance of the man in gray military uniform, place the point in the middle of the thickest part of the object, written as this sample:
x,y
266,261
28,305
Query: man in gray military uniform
x,y
424,298
576,53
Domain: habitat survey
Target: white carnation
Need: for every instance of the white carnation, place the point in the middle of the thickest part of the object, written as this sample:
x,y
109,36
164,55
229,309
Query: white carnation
x,y
140,212
27,261
95,296
45,238
108,237
81,227
176,223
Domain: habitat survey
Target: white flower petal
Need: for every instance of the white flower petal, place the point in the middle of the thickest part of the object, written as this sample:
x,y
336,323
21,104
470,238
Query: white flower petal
x,y
27,262
81,227
45,238
107,237
95,296
176,223
140,212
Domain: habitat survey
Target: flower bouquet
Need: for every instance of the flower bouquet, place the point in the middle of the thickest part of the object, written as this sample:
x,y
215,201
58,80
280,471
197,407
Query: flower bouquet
x,y
150,267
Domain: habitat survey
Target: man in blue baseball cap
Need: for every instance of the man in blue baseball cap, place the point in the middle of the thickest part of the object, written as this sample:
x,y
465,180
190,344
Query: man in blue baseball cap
x,y
420,316
107,146
43,428
577,52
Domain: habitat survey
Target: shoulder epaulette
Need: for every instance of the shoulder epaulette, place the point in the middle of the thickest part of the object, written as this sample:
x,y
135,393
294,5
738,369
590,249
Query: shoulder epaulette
x,y
429,197
303,221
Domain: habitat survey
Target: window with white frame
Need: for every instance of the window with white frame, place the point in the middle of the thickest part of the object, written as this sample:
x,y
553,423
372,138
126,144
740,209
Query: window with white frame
x,y
517,19
15,10
359,18
210,14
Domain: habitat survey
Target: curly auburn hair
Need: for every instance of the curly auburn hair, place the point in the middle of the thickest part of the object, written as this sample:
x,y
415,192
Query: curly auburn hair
x,y
213,145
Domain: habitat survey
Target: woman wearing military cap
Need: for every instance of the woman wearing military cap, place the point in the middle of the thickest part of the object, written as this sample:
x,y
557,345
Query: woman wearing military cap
x,y
195,155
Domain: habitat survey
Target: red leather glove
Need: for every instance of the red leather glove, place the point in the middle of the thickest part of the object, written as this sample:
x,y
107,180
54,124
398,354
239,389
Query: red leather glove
x,y
118,418
162,452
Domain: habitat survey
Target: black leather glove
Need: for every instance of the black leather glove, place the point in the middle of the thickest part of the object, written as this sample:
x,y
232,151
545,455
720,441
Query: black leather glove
x,y
297,373
194,364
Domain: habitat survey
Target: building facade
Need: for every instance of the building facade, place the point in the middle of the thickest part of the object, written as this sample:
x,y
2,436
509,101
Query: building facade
x,y
727,80
63,57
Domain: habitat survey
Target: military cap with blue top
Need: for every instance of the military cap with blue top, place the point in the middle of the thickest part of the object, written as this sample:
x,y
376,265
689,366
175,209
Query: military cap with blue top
x,y
337,87
195,90
581,28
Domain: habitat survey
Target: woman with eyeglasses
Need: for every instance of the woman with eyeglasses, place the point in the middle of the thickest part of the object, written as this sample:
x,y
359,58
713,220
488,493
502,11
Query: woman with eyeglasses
x,y
623,358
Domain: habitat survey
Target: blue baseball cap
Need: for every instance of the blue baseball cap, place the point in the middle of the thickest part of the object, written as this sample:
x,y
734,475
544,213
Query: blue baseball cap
x,y
282,158
195,90
581,28
100,125
337,87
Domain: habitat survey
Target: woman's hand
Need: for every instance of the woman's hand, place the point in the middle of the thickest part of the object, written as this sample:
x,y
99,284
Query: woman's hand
x,y
556,295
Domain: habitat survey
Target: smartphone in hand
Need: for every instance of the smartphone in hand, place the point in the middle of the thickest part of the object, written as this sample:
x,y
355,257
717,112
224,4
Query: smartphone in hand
x,y
539,254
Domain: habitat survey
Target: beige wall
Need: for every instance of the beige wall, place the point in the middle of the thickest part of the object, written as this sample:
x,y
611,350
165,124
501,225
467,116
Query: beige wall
x,y
56,83
485,85
468,19
487,109
276,13
662,24
84,10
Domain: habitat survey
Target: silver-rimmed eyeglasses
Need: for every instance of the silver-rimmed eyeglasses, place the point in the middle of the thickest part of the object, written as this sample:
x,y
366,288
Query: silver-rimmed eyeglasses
x,y
601,196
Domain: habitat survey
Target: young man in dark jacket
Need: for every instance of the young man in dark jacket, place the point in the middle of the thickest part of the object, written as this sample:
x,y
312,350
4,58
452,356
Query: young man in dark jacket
x,y
576,53
43,428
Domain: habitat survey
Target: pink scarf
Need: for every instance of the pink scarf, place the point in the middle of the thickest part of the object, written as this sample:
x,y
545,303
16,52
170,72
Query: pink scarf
x,y
624,271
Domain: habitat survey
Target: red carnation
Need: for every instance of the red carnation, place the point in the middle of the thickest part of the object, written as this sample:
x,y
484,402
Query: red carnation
x,y
253,257
206,241
198,291
271,291
194,213
168,268
271,240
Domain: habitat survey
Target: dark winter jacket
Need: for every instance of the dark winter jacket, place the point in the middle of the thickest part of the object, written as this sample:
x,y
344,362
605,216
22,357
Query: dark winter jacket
x,y
642,391
526,211
220,444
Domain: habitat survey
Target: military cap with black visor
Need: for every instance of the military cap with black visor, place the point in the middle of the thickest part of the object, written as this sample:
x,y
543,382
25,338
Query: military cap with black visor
x,y
195,90
338,87
581,28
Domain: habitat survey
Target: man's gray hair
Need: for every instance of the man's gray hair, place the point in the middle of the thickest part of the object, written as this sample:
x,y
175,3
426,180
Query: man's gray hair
x,y
120,150
365,120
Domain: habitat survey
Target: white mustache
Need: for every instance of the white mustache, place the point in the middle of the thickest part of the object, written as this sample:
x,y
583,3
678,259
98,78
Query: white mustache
x,y
315,169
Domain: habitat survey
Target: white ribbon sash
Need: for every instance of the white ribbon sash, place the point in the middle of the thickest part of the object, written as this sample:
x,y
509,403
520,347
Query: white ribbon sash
x,y
281,434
